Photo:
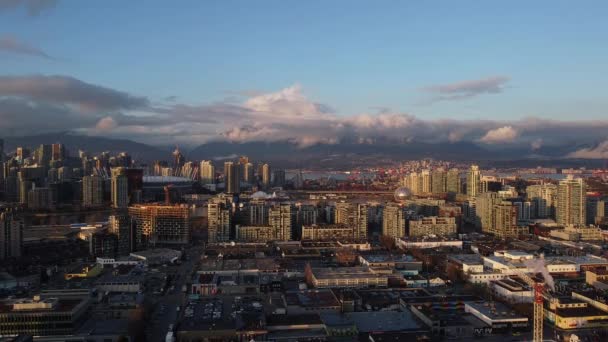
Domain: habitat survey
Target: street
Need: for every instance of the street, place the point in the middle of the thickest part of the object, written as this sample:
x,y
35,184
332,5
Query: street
x,y
165,311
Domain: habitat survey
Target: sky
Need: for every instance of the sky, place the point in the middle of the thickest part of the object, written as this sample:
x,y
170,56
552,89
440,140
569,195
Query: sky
x,y
188,72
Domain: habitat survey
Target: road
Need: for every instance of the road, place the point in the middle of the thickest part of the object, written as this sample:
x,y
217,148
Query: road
x,y
165,312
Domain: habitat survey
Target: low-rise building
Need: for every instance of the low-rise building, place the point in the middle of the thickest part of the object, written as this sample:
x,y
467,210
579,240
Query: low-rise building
x,y
497,316
120,261
328,232
597,278
327,277
512,290
427,242
255,233
84,271
433,225
311,301
574,313
398,261
450,324
467,263
578,233
121,279
39,316
158,256
7,281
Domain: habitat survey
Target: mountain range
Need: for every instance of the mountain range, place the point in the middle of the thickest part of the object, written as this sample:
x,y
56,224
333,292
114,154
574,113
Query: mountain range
x,y
292,155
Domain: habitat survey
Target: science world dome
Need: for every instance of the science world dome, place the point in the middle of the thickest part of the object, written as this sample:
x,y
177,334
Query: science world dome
x,y
402,194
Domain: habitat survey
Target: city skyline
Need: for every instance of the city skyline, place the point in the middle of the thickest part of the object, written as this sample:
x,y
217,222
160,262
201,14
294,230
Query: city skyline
x,y
496,77
275,170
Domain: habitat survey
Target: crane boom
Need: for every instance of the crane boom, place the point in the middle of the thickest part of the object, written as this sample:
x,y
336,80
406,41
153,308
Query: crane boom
x,y
538,289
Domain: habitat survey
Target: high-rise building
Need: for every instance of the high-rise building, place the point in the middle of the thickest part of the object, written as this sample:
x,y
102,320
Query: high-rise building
x,y
120,188
102,244
188,170
232,179
453,183
58,152
120,225
343,212
25,185
92,191
596,209
278,178
178,159
425,177
160,224
219,221
571,202
484,210
11,186
135,181
298,180
22,153
243,160
413,181
353,215
439,181
207,172
1,150
266,175
523,210
282,218
393,221
258,213
307,214
473,181
64,174
124,160
52,175
248,173
505,221
11,234
44,154
39,199
543,200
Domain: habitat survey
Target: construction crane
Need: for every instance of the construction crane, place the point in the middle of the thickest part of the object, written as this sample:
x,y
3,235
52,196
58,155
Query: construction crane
x,y
538,290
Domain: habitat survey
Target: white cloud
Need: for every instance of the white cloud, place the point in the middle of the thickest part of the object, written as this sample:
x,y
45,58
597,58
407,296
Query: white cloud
x,y
505,134
536,144
106,124
286,103
598,152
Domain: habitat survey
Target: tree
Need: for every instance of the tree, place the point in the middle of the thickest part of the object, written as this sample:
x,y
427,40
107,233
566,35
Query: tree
x,y
387,242
346,256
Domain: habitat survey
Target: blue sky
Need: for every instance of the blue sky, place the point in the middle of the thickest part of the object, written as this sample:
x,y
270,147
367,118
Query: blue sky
x,y
353,56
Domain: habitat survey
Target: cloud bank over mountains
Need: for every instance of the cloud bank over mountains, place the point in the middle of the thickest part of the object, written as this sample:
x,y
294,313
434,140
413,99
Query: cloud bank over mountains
x,y
40,104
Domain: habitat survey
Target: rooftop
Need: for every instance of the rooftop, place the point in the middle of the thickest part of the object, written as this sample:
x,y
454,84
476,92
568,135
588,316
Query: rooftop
x,y
374,321
342,272
312,298
166,179
496,311
59,305
385,257
467,258
5,276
